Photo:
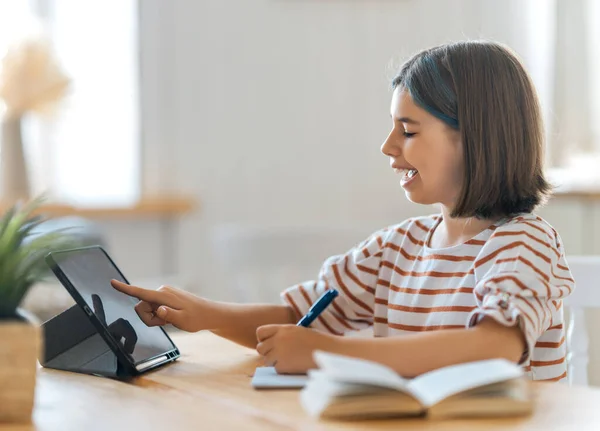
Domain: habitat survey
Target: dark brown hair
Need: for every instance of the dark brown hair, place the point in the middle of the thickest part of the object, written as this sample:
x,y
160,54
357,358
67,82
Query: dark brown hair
x,y
482,90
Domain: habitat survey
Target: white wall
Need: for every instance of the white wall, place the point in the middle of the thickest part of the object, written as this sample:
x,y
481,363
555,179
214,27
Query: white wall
x,y
271,112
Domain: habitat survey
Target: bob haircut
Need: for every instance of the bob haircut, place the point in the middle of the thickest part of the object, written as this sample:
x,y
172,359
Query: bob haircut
x,y
482,90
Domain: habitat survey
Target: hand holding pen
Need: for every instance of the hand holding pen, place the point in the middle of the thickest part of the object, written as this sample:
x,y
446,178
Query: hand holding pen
x,y
289,348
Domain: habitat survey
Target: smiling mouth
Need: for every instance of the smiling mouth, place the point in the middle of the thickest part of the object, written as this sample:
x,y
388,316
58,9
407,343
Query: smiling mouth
x,y
407,175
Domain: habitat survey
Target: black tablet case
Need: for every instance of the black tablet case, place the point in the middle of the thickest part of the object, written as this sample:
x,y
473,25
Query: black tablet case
x,y
72,343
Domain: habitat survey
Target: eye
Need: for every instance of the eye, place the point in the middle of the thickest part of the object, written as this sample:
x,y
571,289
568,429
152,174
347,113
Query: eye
x,y
408,135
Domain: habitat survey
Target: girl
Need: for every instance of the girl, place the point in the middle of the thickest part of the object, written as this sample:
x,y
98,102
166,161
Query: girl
x,y
483,279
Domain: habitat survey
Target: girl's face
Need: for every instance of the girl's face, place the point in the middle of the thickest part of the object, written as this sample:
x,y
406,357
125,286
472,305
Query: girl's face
x,y
425,152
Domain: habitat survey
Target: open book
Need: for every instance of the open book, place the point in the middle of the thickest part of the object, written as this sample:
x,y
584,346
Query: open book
x,y
345,387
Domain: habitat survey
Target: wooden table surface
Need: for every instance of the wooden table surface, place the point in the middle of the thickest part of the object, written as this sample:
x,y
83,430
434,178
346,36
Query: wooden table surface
x,y
208,388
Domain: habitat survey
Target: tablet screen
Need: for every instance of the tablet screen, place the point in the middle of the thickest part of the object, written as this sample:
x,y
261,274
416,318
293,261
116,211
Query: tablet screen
x,y
90,272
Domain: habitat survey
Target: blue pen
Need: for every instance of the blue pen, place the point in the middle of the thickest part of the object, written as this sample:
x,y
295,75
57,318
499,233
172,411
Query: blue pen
x,y
317,308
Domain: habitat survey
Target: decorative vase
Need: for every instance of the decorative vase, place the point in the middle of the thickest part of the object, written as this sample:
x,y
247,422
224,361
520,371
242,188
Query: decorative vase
x,y
14,181
20,344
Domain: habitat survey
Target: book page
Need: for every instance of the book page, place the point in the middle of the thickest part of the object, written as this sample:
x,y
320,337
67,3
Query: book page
x,y
324,397
430,388
354,370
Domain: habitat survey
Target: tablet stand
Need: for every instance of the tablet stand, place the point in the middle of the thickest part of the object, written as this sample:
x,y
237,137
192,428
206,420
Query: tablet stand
x,y
72,343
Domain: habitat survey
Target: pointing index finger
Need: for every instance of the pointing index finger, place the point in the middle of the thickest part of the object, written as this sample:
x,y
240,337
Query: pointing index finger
x,y
137,292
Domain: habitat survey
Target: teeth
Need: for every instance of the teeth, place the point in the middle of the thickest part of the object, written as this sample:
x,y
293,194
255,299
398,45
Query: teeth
x,y
408,173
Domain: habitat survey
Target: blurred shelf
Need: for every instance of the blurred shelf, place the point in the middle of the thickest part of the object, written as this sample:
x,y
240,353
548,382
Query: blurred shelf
x,y
151,206
592,194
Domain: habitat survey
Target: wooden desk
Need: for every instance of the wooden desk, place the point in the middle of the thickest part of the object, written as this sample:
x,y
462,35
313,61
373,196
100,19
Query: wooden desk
x,y
209,389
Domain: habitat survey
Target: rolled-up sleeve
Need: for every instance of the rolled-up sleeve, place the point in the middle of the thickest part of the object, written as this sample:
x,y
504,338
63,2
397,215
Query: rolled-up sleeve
x,y
521,279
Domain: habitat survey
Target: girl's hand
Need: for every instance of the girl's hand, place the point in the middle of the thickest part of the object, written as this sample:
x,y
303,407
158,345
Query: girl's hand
x,y
289,348
168,304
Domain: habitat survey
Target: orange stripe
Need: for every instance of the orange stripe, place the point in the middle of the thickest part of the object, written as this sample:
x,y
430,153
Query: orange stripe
x,y
535,268
561,278
536,312
343,322
513,279
381,301
526,262
549,288
533,327
527,368
347,291
366,252
382,320
528,223
547,363
527,234
555,379
436,274
367,270
294,305
423,328
425,291
446,308
414,240
564,268
345,317
510,246
305,295
409,256
422,226
549,344
475,242
379,242
559,326
537,228
341,311
410,237
329,328
355,279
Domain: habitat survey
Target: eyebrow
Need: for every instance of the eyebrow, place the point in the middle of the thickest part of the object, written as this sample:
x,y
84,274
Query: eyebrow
x,y
406,120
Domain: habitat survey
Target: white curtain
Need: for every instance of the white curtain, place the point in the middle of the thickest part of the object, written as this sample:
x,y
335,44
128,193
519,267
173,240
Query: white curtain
x,y
88,153
564,51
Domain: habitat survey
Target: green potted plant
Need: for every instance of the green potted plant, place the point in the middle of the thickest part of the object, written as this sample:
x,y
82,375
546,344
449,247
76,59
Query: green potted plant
x,y
22,251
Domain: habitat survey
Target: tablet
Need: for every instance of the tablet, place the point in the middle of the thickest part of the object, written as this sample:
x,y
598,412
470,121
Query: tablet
x,y
86,273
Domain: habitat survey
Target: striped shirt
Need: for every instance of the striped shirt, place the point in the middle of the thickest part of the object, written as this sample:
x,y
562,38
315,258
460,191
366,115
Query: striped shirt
x,y
515,272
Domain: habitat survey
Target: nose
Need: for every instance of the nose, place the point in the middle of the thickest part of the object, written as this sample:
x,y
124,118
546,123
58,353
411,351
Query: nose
x,y
392,147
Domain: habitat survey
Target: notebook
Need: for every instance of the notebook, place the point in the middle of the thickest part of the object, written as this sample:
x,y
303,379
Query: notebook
x,y
345,387
268,378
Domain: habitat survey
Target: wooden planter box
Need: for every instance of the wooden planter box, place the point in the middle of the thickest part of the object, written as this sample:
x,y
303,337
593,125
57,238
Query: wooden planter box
x,y
20,343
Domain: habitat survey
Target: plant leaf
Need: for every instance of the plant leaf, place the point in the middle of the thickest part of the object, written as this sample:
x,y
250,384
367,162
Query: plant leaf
x,y
22,252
